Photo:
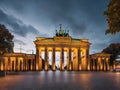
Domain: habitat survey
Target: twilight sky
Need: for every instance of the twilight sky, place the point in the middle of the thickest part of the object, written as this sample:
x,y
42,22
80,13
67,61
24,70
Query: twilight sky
x,y
28,19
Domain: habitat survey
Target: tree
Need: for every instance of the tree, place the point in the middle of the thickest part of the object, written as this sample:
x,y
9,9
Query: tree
x,y
113,17
114,50
6,43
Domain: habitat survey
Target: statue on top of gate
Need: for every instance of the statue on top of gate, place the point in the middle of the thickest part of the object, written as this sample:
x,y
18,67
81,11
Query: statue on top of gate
x,y
62,33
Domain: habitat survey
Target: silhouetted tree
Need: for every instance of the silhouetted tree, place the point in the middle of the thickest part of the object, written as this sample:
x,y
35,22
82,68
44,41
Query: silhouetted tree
x,y
113,17
114,50
6,43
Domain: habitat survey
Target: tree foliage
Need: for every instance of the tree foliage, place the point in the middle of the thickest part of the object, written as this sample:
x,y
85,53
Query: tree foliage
x,y
113,17
6,43
114,50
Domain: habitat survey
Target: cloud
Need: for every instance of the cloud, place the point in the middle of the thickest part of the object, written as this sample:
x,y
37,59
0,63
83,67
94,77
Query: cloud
x,y
114,38
62,12
76,15
53,11
19,41
16,26
83,18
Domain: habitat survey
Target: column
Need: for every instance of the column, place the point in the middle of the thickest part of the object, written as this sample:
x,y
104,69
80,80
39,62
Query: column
x,y
68,60
79,59
84,59
62,59
16,63
0,62
31,65
10,64
98,67
40,65
7,68
37,59
5,63
93,64
100,63
69,66
75,60
46,60
87,59
53,60
104,64
22,64
2,65
90,63
26,64
108,68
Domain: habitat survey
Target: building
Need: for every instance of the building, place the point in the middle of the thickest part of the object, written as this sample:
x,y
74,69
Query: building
x,y
77,51
100,62
17,62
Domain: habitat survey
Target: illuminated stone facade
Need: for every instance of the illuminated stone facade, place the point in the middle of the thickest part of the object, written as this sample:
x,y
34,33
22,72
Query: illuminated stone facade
x,y
77,56
77,59
100,62
77,52
17,62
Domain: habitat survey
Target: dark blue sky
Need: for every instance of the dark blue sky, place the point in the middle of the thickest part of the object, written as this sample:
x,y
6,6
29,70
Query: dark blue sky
x,y
28,19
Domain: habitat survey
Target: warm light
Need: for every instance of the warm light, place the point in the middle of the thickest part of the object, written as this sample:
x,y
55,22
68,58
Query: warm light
x,y
101,67
88,68
93,67
37,67
8,68
1,67
54,68
104,67
108,68
63,66
26,68
70,68
31,67
114,67
46,68
80,68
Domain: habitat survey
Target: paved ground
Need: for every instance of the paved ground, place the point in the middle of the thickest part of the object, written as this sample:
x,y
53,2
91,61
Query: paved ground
x,y
61,81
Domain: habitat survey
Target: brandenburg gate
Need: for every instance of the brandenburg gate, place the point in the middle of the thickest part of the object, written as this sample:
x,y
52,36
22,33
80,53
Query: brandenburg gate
x,y
77,51
73,55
